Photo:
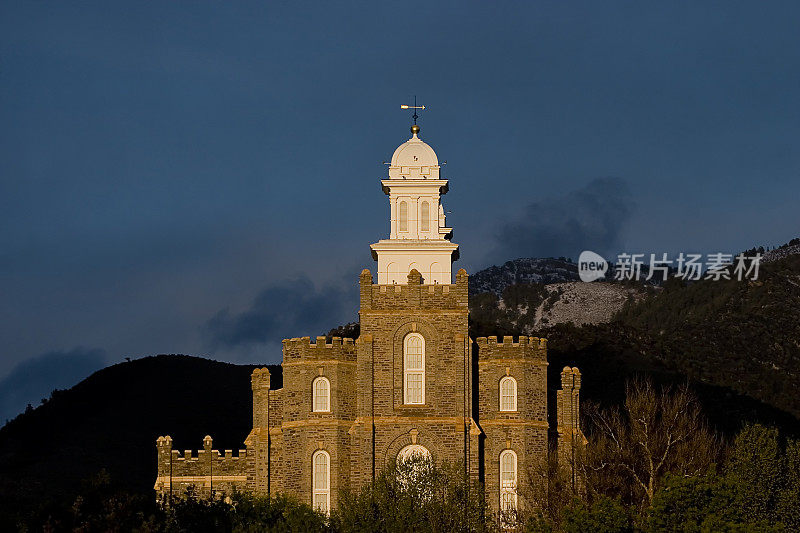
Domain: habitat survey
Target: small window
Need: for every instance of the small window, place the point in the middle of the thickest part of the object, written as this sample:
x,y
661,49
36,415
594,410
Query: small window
x,y
425,216
403,216
321,474
508,394
322,395
508,481
414,369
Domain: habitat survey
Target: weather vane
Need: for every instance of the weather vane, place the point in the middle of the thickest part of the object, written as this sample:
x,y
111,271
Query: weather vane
x,y
414,107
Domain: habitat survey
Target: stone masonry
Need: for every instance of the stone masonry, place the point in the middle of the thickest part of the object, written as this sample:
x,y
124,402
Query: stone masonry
x,y
368,423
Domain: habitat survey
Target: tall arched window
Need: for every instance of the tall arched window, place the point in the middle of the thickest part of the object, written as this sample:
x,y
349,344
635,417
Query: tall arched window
x,y
414,369
508,481
508,394
321,481
414,464
425,216
322,395
403,216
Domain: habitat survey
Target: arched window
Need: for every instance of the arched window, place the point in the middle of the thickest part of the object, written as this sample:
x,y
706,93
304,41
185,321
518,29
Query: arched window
x,y
508,394
403,216
425,216
322,395
321,481
414,465
414,369
508,481
413,451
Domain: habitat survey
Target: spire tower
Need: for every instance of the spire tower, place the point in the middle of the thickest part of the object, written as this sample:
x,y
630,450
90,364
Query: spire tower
x,y
419,238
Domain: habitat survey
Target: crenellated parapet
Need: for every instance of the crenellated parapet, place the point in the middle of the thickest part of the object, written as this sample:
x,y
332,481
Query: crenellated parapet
x,y
505,348
303,349
205,473
415,294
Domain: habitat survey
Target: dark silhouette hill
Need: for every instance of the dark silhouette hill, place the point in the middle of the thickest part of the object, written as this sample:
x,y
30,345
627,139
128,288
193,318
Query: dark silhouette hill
x,y
110,421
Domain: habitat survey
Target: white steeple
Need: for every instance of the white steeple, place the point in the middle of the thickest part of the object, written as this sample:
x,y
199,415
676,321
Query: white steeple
x,y
418,236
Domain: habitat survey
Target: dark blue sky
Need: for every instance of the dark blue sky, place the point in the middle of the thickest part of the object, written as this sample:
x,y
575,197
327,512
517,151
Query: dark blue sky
x,y
203,177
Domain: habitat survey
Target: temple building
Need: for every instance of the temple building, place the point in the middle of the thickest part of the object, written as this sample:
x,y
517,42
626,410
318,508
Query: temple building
x,y
412,383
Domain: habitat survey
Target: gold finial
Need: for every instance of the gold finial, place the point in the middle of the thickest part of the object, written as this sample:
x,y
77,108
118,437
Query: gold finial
x,y
414,129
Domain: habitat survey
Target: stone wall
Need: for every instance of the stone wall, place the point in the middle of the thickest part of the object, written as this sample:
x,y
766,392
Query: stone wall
x,y
207,473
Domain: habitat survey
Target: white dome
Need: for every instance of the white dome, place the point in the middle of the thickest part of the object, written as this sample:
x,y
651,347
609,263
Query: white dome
x,y
414,153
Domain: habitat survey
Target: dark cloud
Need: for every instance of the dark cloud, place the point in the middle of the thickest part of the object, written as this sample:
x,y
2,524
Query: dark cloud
x,y
35,378
591,218
290,308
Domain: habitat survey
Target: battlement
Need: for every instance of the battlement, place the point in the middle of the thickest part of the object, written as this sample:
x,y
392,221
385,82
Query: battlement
x,y
206,471
303,349
414,294
534,348
164,445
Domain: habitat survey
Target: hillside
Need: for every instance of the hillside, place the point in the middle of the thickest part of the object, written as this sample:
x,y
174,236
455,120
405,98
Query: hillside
x,y
744,335
496,279
111,421
525,308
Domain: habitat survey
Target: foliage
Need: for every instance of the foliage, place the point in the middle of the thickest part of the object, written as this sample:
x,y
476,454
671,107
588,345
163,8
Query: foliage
x,y
604,515
766,475
415,495
705,503
244,514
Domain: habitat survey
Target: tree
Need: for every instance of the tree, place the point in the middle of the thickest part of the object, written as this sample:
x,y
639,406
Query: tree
x,y
766,475
603,516
415,495
656,432
699,504
755,468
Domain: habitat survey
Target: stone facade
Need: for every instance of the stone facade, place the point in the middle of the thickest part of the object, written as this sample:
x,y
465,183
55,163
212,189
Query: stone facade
x,y
413,381
368,422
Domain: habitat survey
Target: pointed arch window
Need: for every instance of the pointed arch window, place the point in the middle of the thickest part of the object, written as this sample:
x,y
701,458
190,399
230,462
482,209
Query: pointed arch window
x,y
322,395
414,369
508,481
508,394
425,216
321,474
403,208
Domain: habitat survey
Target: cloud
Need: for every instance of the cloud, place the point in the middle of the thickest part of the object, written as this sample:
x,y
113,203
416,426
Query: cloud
x,y
289,308
590,218
35,378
